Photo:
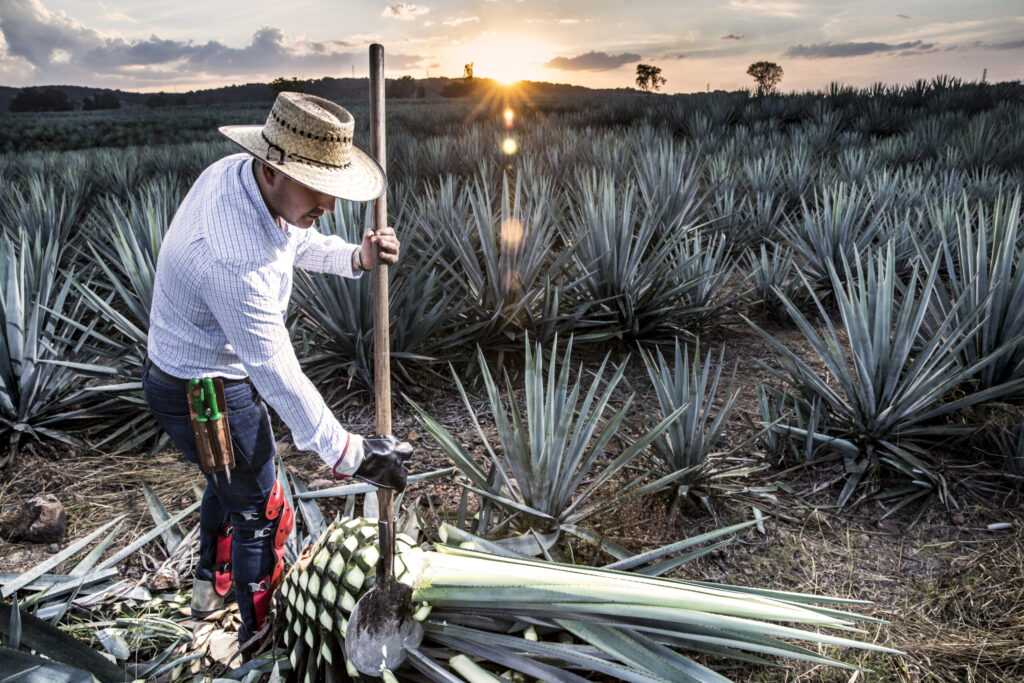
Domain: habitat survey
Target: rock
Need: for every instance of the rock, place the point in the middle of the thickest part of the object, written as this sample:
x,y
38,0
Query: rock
x,y
321,484
53,548
412,436
863,540
42,520
165,579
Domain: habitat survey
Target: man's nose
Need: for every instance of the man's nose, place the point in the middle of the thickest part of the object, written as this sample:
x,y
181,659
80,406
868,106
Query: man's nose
x,y
326,202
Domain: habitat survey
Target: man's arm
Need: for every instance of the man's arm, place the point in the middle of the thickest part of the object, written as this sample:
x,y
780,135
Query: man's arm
x,y
330,254
326,254
254,325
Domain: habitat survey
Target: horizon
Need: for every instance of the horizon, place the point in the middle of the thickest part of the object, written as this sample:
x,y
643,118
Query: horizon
x,y
137,47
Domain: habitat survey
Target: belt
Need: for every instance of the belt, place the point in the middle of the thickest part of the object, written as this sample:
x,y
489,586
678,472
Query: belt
x,y
177,381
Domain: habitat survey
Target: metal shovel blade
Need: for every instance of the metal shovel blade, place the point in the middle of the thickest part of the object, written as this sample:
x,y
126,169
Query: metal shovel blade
x,y
381,625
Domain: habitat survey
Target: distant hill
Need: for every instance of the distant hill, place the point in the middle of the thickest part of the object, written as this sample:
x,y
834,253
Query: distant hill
x,y
338,89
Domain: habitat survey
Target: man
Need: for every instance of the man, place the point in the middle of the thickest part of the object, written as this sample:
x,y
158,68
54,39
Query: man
x,y
222,285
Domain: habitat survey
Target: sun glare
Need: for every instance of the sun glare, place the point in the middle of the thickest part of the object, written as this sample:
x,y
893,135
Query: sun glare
x,y
508,59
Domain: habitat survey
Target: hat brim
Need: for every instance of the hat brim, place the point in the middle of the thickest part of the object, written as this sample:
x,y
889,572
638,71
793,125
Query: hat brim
x,y
361,181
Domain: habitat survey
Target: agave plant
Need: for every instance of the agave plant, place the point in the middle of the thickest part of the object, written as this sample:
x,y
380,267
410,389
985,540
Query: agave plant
x,y
634,268
843,224
501,255
39,396
123,247
553,450
487,617
335,316
690,387
982,264
891,376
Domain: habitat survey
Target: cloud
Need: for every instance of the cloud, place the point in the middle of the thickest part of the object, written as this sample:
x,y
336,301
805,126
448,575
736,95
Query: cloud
x,y
829,50
902,16
52,47
455,21
731,36
404,11
568,21
1011,45
778,8
592,61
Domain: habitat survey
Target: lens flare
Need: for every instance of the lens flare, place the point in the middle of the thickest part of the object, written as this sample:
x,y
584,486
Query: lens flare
x,y
512,232
509,146
510,117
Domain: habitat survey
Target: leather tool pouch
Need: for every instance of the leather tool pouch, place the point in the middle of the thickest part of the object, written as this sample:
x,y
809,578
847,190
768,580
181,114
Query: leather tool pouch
x,y
211,429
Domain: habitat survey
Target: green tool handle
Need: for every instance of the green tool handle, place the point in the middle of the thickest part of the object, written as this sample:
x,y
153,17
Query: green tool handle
x,y
211,399
195,392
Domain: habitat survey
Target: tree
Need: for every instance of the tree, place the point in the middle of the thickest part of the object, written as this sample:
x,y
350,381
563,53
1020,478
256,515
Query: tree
x,y
403,87
648,77
101,100
41,99
467,71
282,84
767,74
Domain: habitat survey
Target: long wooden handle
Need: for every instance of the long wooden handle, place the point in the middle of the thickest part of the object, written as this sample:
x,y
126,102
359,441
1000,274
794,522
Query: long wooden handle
x,y
381,341
381,338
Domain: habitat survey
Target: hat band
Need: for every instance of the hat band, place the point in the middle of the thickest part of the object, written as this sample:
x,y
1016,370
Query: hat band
x,y
271,147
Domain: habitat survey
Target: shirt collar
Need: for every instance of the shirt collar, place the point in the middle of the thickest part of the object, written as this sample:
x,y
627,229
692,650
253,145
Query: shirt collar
x,y
278,237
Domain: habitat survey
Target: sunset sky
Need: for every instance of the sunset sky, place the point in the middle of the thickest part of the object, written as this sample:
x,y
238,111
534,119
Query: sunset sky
x,y
183,45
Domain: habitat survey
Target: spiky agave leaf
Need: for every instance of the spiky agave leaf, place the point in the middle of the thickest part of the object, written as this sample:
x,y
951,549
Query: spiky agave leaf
x,y
553,447
890,375
491,613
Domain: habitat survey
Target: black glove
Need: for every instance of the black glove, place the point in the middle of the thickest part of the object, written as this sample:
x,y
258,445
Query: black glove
x,y
384,462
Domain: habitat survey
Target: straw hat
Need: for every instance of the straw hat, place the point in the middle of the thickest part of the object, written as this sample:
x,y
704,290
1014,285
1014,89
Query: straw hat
x,y
309,139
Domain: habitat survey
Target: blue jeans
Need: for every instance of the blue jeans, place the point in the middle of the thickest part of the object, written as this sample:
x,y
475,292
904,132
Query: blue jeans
x,y
242,502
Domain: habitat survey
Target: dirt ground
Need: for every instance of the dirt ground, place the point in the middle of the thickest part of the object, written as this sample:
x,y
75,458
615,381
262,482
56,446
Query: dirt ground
x,y
950,589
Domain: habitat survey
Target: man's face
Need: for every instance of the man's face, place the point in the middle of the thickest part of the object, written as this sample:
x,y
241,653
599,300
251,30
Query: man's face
x,y
296,203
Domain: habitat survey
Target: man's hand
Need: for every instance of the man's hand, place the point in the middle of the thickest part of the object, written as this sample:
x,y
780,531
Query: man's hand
x,y
384,462
389,246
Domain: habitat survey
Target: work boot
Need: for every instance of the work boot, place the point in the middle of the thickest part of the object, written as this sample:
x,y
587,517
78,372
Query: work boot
x,y
205,600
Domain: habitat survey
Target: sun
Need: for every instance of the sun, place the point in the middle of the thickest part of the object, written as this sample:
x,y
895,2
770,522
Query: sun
x,y
507,59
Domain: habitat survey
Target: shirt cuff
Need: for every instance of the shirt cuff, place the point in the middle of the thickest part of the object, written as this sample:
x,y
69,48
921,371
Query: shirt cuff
x,y
346,269
351,457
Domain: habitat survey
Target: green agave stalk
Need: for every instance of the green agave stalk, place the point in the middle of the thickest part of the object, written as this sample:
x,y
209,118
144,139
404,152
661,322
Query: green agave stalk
x,y
486,616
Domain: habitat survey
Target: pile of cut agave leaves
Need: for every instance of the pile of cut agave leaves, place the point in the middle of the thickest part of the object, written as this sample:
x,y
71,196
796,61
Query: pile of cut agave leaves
x,y
490,612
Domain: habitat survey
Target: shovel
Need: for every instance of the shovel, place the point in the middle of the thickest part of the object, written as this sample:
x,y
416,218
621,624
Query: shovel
x,y
381,626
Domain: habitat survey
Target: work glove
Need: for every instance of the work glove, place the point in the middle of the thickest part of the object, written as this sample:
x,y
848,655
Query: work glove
x,y
384,462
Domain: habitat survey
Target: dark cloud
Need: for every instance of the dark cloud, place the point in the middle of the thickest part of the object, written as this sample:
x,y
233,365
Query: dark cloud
x,y
1010,45
731,36
828,50
902,16
592,61
61,49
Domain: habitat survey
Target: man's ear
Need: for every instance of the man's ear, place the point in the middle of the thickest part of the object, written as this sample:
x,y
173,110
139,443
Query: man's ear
x,y
267,172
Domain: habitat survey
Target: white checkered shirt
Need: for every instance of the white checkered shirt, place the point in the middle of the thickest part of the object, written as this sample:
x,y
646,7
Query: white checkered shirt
x,y
223,280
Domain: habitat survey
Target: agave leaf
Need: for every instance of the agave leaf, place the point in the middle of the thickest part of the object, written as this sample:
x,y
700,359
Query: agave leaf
x,y
22,666
658,553
431,669
41,637
54,560
172,536
147,537
311,515
353,489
